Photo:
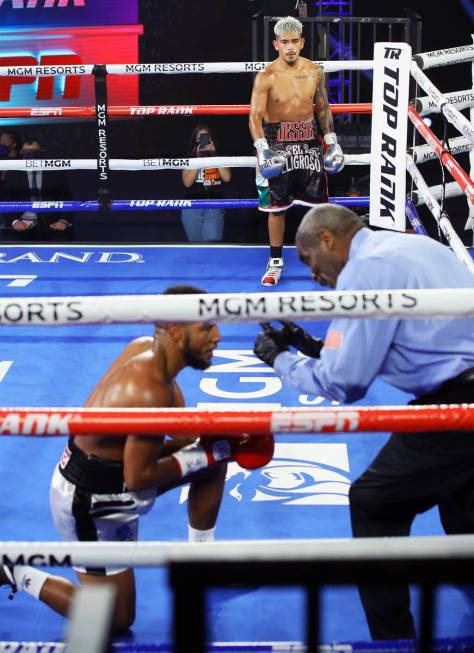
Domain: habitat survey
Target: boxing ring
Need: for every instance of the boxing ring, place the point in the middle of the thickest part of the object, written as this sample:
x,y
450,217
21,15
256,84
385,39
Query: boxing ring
x,y
300,496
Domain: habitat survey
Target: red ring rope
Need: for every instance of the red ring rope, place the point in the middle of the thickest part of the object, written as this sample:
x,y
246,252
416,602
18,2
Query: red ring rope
x,y
187,421
463,179
157,110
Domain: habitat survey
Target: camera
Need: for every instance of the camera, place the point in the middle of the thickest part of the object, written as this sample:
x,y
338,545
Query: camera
x,y
203,140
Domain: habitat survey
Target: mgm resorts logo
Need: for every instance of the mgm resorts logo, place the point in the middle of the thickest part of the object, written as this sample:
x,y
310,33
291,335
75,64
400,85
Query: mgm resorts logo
x,y
300,474
37,560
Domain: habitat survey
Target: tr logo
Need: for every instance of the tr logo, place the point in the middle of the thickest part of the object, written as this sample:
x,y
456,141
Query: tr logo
x,y
392,53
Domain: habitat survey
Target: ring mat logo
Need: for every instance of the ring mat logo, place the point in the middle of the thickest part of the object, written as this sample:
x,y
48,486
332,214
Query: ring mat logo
x,y
300,474
17,280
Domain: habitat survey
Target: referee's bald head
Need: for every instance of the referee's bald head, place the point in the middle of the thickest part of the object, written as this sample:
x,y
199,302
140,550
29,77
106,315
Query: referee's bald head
x,y
339,220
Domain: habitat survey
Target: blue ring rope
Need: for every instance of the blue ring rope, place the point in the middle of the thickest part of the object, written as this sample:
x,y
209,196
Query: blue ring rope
x,y
152,205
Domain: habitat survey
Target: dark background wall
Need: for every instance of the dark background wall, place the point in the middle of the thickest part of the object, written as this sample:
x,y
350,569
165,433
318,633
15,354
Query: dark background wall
x,y
215,30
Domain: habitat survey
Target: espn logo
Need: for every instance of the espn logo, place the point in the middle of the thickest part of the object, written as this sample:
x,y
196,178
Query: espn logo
x,y
62,63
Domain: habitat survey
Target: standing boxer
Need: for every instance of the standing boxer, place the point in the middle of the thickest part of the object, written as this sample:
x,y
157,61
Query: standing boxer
x,y
287,136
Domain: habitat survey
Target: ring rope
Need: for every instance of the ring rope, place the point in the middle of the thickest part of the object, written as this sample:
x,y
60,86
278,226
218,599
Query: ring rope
x,y
154,422
169,163
436,58
446,158
424,60
180,163
422,153
237,307
414,218
160,110
154,554
440,216
460,99
169,68
45,206
450,190
453,115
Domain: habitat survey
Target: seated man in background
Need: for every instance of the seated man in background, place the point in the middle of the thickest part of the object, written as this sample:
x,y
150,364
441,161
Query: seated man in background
x,y
34,185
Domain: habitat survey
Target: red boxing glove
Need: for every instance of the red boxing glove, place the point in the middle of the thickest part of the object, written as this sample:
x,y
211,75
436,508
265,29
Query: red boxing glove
x,y
249,451
254,451
202,453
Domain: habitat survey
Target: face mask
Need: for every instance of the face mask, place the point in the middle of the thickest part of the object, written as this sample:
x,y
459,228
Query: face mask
x,y
4,149
31,155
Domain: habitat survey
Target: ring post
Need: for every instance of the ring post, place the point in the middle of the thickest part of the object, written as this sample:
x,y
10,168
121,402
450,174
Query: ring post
x,y
101,108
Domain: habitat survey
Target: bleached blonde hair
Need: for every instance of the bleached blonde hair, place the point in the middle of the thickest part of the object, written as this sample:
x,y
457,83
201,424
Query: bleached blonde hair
x,y
288,24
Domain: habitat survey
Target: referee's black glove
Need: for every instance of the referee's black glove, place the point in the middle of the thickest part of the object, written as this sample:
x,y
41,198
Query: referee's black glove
x,y
297,337
269,344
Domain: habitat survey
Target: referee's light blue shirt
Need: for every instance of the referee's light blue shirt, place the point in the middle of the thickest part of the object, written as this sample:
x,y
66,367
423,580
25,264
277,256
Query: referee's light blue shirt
x,y
413,355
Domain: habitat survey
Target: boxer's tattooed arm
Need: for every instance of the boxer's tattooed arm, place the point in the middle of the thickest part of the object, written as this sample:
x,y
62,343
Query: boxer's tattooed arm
x,y
323,113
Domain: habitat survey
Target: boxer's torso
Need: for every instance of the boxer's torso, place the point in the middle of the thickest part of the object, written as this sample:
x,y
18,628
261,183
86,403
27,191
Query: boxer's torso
x,y
292,91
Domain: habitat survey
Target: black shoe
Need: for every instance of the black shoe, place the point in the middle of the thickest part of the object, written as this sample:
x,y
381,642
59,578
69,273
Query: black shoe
x,y
7,578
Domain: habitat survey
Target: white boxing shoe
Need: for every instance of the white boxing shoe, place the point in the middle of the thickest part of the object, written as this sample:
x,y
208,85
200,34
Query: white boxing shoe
x,y
273,272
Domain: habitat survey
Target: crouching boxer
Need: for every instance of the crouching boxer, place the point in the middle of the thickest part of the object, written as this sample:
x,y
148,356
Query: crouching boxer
x,y
102,485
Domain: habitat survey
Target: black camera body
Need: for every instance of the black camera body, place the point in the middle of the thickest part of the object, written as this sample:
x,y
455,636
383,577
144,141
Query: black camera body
x,y
203,141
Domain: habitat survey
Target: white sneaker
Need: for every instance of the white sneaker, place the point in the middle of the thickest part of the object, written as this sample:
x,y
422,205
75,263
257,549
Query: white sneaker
x,y
273,272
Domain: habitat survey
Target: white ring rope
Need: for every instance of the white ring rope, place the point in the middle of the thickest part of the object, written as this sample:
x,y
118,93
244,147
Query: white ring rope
x,y
435,58
425,60
422,153
153,554
460,99
170,68
445,225
237,307
170,163
450,190
452,114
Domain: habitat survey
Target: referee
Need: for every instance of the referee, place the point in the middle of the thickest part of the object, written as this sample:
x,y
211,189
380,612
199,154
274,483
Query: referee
x,y
433,359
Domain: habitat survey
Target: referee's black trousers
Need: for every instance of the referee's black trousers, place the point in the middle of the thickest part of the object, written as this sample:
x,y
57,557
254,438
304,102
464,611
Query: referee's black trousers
x,y
412,473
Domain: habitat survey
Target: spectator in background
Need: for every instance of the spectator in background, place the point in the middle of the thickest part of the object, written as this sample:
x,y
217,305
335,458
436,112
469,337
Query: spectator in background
x,y
360,187
34,185
203,225
9,149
